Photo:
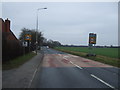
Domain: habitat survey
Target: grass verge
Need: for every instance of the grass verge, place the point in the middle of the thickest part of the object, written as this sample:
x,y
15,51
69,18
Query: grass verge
x,y
104,59
17,61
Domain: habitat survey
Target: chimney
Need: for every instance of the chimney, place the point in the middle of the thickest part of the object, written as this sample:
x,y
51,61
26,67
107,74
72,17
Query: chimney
x,y
7,25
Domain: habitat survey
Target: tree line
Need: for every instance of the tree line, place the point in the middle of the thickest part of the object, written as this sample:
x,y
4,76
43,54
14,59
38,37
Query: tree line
x,y
42,41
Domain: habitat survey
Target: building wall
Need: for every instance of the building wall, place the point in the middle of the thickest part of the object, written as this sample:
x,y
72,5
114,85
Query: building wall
x,y
11,47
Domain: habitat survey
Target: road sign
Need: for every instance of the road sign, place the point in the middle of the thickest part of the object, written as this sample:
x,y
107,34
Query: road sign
x,y
92,38
92,41
27,37
24,44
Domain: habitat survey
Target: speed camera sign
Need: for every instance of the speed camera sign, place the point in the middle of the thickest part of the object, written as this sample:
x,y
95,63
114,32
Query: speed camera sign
x,y
92,38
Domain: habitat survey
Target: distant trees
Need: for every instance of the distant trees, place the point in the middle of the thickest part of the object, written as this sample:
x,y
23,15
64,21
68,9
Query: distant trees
x,y
52,43
42,41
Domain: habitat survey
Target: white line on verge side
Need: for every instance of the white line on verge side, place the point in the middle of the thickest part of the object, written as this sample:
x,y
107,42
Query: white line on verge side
x,y
32,78
102,81
33,75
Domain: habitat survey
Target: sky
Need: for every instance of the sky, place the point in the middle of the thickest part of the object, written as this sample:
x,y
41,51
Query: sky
x,y
66,22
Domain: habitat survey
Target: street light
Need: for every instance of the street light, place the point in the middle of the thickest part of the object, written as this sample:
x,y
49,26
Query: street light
x,y
37,28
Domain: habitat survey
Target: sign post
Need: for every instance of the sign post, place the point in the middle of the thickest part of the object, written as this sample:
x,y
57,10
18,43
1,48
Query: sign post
x,y
92,42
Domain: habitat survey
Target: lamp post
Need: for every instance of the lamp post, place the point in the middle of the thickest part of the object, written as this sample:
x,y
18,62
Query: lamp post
x,y
37,28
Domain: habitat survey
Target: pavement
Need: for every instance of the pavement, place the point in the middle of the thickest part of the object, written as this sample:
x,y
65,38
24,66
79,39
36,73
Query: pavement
x,y
21,77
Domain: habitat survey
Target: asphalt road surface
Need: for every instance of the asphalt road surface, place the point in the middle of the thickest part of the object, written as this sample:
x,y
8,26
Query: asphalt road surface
x,y
62,70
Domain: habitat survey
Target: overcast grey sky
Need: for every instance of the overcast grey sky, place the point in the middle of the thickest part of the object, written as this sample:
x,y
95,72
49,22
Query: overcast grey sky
x,y
67,22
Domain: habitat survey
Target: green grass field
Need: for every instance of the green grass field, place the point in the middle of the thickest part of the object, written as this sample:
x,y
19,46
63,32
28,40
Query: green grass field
x,y
104,55
109,52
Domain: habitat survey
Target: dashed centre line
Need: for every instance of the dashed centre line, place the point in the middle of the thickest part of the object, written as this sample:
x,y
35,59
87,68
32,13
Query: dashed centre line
x,y
102,81
76,65
91,74
59,54
73,63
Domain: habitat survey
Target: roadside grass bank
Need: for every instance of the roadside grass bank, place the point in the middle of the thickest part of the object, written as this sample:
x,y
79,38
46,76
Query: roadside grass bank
x,y
109,52
100,58
17,61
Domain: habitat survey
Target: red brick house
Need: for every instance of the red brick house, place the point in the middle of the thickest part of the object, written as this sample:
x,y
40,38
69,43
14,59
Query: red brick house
x,y
6,29
11,46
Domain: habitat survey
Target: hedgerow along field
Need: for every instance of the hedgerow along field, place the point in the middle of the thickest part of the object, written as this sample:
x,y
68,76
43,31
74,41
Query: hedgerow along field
x,y
105,55
109,52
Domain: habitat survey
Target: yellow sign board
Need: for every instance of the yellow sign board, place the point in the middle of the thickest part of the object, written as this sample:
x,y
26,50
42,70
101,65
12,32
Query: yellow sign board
x,y
92,38
27,37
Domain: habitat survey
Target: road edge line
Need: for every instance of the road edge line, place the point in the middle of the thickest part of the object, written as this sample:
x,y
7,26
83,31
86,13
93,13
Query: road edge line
x,y
35,72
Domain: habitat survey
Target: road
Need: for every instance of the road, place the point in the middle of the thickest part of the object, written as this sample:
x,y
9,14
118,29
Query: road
x,y
62,70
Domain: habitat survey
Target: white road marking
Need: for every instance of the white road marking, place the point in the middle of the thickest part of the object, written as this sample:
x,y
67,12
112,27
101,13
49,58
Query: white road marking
x,y
59,54
102,81
73,63
66,56
74,56
91,74
76,65
32,78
